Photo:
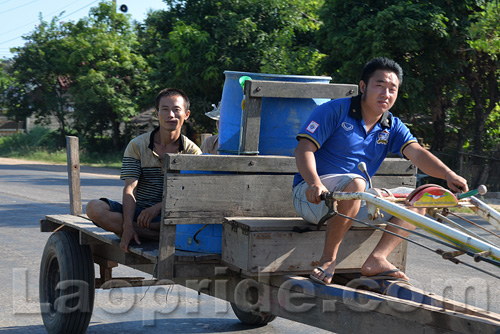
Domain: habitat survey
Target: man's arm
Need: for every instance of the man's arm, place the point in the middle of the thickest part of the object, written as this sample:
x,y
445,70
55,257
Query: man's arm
x,y
129,205
306,164
432,166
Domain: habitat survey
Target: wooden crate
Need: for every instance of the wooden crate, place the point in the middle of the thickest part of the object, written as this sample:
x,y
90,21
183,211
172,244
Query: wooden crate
x,y
280,246
255,187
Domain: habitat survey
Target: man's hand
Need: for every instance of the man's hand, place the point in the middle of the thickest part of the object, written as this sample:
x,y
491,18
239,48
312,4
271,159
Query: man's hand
x,y
127,235
314,191
456,182
147,215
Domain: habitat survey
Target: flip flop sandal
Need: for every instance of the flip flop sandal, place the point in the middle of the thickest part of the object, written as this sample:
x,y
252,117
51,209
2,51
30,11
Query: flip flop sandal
x,y
320,281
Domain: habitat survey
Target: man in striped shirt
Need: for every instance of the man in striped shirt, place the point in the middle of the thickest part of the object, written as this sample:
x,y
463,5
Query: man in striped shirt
x,y
139,213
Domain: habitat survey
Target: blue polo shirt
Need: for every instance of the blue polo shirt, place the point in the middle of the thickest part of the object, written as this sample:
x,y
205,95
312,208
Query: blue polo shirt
x,y
337,129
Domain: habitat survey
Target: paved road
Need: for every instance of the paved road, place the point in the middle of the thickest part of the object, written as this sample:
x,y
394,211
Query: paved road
x,y
29,191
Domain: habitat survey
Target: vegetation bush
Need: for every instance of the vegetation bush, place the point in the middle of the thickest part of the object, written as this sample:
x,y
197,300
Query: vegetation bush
x,y
45,145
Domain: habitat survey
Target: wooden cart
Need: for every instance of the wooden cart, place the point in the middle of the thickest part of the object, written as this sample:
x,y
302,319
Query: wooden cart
x,y
266,250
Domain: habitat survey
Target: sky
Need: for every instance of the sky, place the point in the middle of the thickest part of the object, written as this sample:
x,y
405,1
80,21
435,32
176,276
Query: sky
x,y
19,17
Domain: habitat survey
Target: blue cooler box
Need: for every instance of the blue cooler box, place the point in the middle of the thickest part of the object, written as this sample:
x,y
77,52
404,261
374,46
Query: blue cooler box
x,y
208,240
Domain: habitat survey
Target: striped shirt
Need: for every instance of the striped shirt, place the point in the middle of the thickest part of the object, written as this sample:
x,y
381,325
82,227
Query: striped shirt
x,y
141,163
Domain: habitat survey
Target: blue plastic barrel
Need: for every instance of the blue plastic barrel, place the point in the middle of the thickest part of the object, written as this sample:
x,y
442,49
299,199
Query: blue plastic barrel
x,y
281,118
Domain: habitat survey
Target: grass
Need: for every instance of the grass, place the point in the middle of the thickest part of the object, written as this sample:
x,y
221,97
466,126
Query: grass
x,y
41,145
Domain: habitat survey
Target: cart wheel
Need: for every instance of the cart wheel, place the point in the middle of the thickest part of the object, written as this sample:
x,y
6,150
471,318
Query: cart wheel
x,y
252,318
66,284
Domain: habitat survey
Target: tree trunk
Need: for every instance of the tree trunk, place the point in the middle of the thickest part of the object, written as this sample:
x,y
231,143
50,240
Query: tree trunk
x,y
438,124
116,135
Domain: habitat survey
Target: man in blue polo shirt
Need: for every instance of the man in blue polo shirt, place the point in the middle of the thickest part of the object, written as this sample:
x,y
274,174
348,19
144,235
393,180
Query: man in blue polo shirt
x,y
337,136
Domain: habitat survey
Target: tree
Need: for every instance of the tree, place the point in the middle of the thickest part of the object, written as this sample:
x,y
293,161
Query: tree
x,y
425,37
482,73
6,81
108,74
38,71
191,45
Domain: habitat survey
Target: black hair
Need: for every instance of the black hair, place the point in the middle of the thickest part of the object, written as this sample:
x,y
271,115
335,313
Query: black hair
x,y
172,92
381,63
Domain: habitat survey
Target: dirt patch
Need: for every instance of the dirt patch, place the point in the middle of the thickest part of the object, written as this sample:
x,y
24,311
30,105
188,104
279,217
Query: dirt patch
x,y
11,161
95,171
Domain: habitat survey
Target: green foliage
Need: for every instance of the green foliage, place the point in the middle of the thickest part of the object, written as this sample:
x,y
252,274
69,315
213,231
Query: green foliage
x,y
485,31
41,144
444,78
91,67
191,45
108,72
37,69
102,70
37,139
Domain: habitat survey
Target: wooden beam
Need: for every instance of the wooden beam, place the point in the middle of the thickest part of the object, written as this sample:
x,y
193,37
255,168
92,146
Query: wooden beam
x,y
230,163
250,128
73,161
227,195
342,309
306,90
264,164
166,257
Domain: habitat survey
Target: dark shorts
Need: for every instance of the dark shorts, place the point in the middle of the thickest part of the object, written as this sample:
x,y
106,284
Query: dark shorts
x,y
118,207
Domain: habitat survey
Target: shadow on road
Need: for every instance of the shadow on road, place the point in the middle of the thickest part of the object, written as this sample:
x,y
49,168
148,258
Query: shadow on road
x,y
184,325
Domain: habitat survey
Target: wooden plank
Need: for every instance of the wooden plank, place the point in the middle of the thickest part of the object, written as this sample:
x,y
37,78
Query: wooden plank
x,y
297,224
245,195
166,257
49,226
343,309
97,236
230,163
250,124
282,252
393,181
396,166
280,89
199,196
265,164
73,162
195,270
186,256
112,252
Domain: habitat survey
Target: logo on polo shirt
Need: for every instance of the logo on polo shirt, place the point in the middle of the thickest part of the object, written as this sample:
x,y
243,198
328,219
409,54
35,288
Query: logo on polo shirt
x,y
312,127
383,137
347,126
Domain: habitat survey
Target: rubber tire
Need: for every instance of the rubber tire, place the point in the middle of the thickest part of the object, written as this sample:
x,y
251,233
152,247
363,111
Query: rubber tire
x,y
65,260
250,318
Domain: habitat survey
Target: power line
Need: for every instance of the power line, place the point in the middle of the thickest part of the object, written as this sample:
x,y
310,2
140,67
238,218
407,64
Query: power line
x,y
93,2
8,10
57,11
1,3
31,23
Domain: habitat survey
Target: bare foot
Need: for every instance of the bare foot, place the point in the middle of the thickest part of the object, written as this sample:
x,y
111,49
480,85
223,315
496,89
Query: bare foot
x,y
324,272
376,266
